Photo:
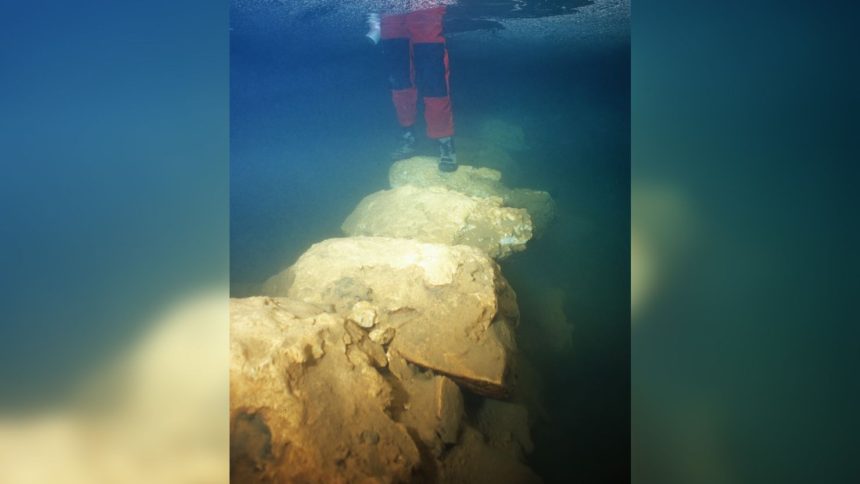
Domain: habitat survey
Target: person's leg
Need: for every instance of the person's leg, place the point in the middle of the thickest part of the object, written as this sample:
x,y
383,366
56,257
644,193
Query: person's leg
x,y
397,52
432,78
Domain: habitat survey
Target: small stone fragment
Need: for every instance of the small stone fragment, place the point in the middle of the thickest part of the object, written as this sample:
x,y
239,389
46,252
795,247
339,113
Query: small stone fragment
x,y
398,366
382,336
375,352
363,314
449,409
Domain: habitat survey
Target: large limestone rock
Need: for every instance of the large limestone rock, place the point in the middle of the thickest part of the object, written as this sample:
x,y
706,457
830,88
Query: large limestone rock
x,y
423,171
306,401
442,216
448,307
314,399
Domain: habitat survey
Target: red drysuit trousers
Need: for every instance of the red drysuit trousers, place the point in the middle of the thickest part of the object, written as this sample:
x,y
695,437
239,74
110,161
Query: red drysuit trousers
x,y
417,60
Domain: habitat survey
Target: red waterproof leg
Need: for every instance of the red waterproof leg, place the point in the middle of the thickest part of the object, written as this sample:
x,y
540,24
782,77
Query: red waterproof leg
x,y
395,38
439,117
425,27
394,27
406,105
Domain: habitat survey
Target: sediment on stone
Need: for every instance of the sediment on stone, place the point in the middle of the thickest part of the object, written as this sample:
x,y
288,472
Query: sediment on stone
x,y
306,402
422,171
449,307
311,402
440,215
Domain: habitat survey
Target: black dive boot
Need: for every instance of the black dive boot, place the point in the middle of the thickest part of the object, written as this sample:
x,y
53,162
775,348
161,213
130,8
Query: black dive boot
x,y
447,157
406,145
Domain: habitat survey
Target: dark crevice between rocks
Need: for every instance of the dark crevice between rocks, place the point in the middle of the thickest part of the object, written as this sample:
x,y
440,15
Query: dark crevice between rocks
x,y
427,471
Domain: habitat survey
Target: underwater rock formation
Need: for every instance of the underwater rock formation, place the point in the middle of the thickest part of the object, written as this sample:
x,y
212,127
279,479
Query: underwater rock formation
x,y
422,171
384,356
439,215
450,308
432,405
313,399
306,404
454,450
539,205
474,460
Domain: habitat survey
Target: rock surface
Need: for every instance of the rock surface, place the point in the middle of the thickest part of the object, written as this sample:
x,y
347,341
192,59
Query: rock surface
x,y
422,171
439,215
449,306
432,408
351,369
475,461
306,404
310,402
539,205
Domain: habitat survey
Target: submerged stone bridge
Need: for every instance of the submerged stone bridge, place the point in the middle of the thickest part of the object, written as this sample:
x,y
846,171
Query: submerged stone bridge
x,y
351,365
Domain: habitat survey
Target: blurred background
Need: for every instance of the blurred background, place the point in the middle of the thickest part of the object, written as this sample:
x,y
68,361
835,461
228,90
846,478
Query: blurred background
x,y
114,186
744,263
113,242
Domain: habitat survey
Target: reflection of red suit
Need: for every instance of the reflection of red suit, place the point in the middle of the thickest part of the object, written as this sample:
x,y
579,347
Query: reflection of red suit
x,y
418,61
